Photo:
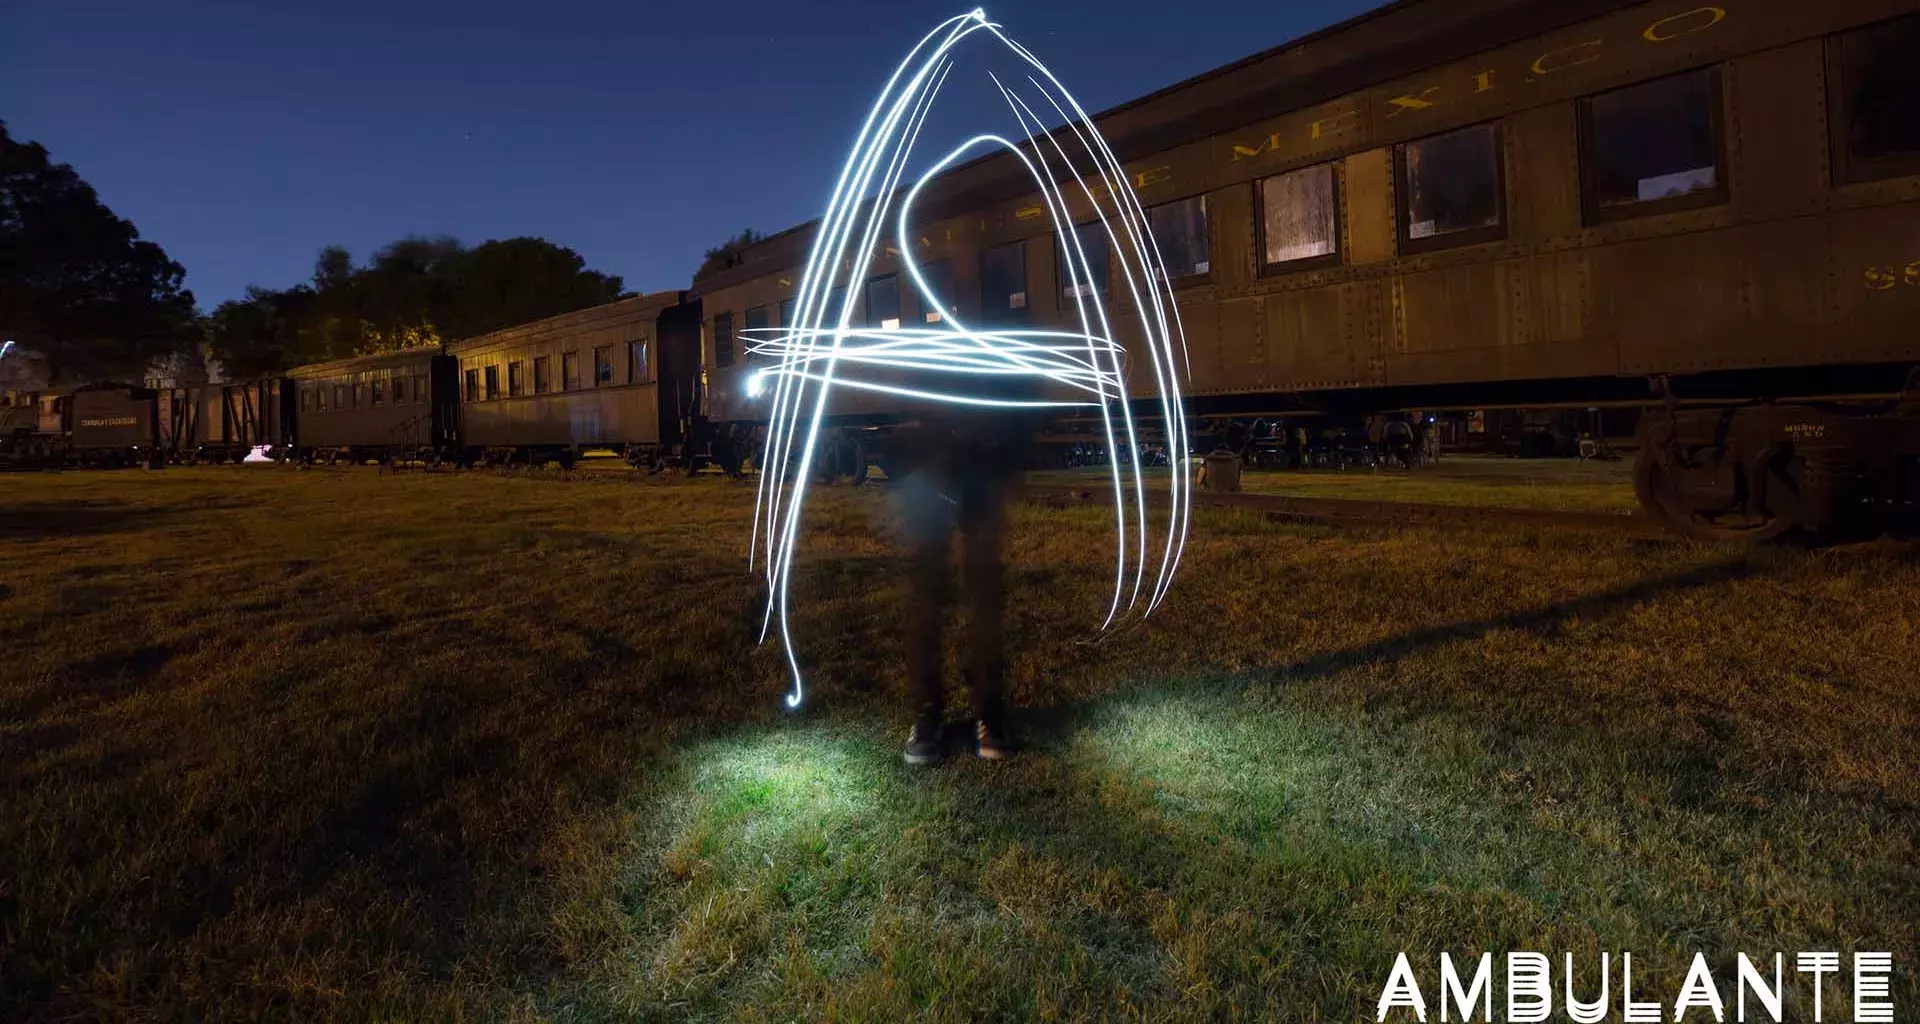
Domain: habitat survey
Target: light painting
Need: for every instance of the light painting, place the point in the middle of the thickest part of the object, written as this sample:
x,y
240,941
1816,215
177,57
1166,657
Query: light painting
x,y
822,351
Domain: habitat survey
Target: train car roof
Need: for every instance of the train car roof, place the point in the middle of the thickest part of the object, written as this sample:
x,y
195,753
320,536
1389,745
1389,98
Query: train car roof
x,y
1399,39
357,364
638,307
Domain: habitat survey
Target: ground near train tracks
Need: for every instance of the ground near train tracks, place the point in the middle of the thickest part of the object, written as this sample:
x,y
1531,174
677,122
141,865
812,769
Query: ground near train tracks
x,y
343,745
1481,481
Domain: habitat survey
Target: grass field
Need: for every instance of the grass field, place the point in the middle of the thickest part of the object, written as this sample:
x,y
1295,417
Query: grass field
x,y
1484,481
337,745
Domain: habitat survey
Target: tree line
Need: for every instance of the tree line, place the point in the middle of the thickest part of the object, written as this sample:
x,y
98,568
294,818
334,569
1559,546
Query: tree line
x,y
82,290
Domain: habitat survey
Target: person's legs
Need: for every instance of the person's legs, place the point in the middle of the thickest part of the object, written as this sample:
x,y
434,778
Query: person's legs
x,y
929,532
983,524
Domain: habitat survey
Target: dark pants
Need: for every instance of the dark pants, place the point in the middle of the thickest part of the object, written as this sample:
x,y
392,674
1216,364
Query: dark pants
x,y
961,479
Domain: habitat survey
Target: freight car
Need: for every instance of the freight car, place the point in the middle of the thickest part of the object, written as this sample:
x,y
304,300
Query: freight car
x,y
1705,211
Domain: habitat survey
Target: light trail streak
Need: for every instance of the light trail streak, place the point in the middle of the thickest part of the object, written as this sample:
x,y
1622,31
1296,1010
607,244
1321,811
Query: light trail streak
x,y
822,350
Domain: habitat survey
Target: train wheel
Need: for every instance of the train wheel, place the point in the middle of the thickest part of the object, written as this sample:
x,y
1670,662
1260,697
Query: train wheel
x,y
1664,495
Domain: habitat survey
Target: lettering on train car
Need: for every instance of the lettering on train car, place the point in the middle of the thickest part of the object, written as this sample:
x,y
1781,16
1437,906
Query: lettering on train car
x,y
1886,279
1543,65
111,421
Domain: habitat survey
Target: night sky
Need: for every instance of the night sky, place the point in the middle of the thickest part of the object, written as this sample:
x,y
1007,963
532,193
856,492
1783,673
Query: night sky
x,y
243,137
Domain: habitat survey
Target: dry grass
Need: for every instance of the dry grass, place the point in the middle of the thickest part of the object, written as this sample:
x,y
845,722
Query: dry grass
x,y
1483,481
337,745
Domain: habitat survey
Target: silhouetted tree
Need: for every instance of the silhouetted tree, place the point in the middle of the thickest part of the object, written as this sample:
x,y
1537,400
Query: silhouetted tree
x,y
728,254
77,285
416,291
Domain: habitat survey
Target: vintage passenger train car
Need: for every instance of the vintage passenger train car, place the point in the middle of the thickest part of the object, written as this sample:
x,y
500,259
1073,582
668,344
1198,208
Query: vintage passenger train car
x,y
621,376
1709,210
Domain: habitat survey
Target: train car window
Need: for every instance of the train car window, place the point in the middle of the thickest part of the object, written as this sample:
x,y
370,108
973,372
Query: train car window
x,y
419,389
570,371
759,318
1874,86
1090,241
339,396
786,312
883,302
1300,218
1453,189
306,399
377,388
473,385
493,383
939,279
723,339
1180,233
1653,147
399,390
602,365
320,398
516,378
638,371
542,374
1003,283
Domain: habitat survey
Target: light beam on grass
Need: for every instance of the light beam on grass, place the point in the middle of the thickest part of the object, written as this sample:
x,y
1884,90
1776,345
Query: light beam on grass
x,y
821,350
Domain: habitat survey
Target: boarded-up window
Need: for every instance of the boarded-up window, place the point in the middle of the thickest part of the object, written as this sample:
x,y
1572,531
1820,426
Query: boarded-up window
x,y
883,302
493,382
306,399
1875,90
1300,217
723,339
1180,234
542,374
377,388
570,371
399,390
939,278
473,385
419,391
1653,147
602,365
1452,189
1003,283
1078,279
516,379
339,396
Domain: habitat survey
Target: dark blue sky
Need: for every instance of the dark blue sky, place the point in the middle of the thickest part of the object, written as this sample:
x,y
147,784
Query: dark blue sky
x,y
244,136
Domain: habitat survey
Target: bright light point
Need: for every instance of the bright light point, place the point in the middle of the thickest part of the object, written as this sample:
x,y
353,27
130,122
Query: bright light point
x,y
4,349
821,349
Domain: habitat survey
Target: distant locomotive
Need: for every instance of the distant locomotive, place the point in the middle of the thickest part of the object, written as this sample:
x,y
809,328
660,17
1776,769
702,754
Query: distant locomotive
x,y
1706,213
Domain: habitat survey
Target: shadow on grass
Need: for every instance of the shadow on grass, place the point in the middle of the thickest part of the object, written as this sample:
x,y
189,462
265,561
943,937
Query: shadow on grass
x,y
53,519
1050,724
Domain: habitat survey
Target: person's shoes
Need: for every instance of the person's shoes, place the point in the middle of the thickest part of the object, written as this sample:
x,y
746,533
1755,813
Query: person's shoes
x,y
991,740
923,743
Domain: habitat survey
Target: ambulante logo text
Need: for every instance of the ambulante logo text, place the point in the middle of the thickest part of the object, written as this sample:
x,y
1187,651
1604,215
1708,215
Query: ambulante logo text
x,y
1758,991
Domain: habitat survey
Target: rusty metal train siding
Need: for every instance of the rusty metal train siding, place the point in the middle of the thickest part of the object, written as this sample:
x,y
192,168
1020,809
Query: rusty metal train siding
x,y
1792,269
